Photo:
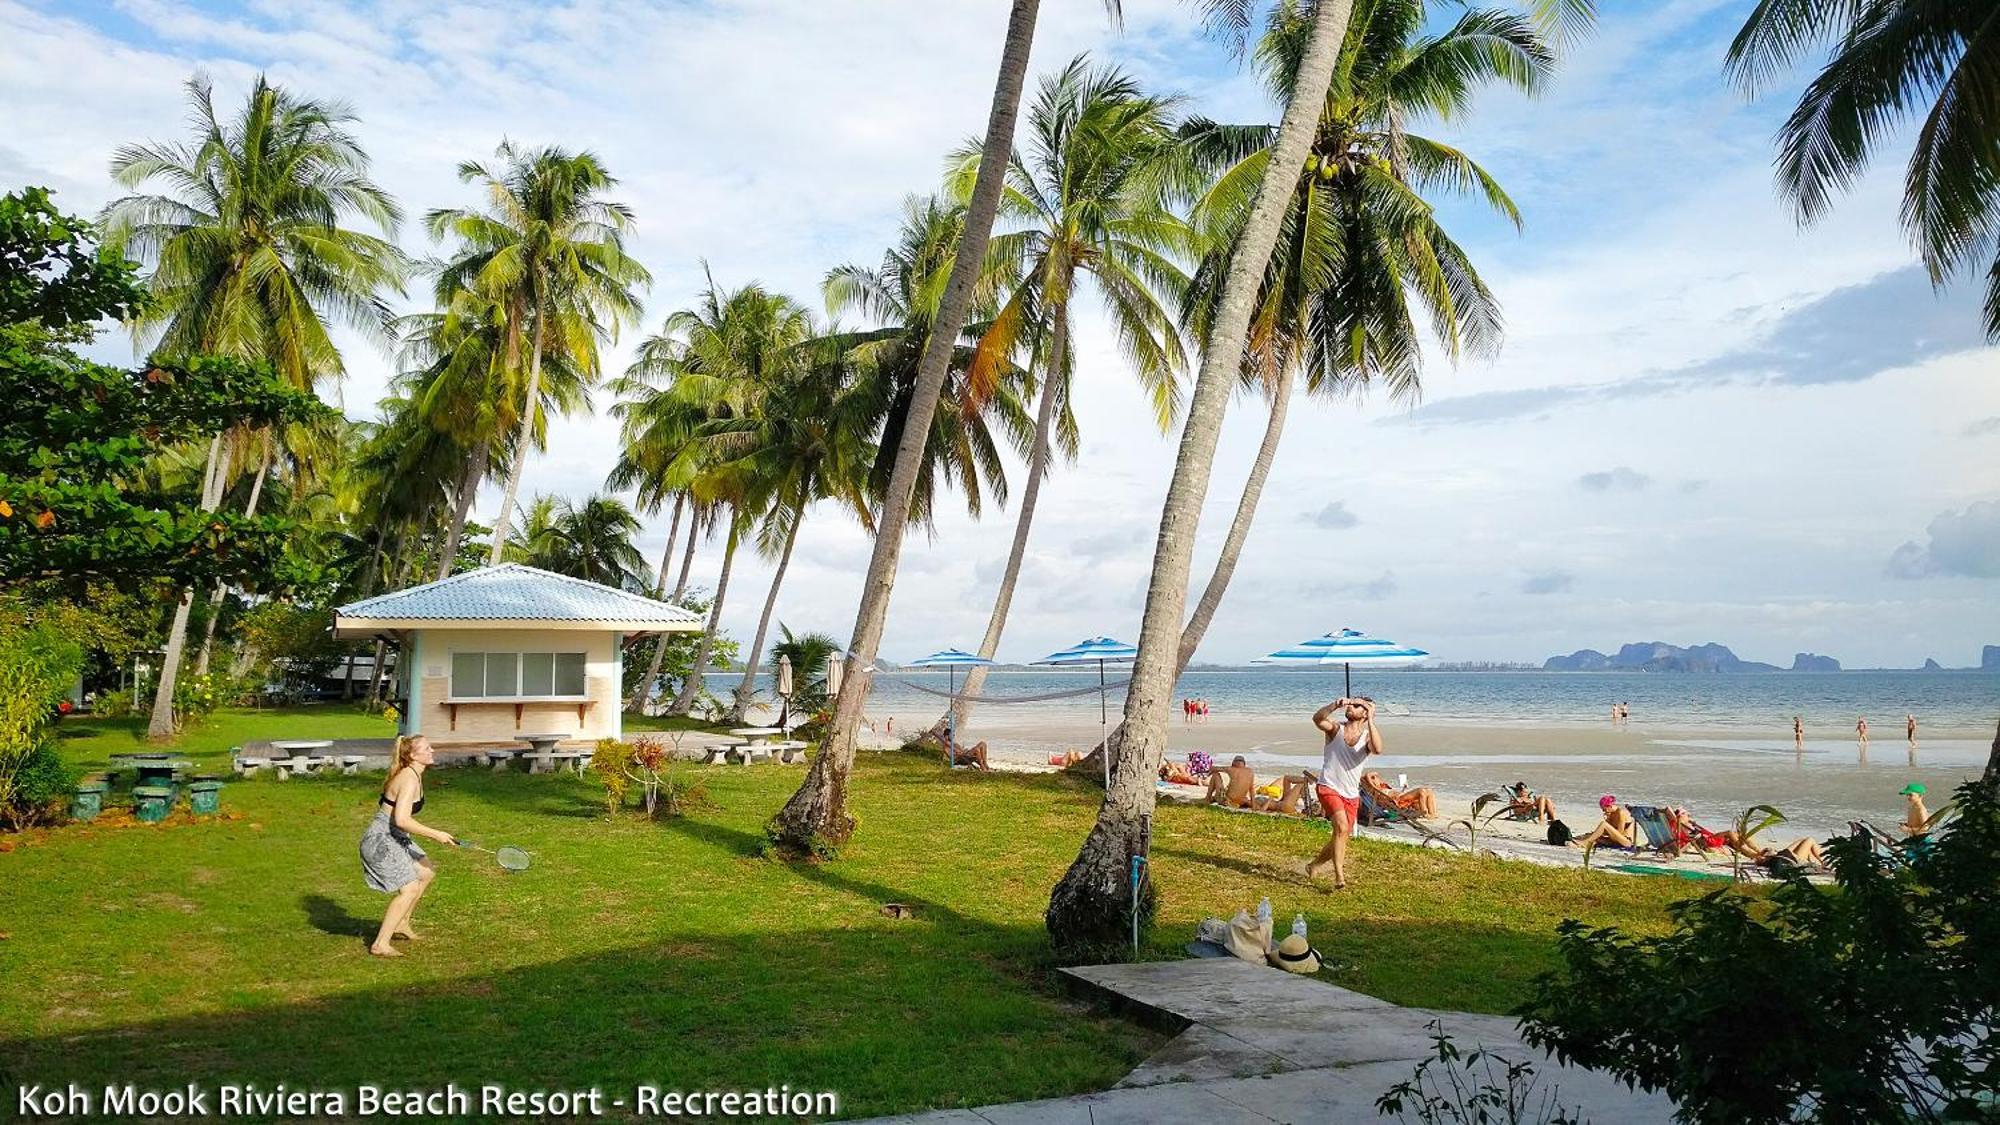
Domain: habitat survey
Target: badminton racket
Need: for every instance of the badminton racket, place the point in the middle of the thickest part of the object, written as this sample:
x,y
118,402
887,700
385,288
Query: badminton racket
x,y
509,856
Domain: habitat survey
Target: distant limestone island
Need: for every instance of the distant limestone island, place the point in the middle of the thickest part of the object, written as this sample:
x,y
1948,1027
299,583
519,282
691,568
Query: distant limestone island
x,y
1658,656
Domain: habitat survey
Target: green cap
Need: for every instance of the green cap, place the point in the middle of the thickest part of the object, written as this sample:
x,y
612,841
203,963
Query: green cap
x,y
1916,787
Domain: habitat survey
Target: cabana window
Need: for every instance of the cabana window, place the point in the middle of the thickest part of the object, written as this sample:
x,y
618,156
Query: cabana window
x,y
517,675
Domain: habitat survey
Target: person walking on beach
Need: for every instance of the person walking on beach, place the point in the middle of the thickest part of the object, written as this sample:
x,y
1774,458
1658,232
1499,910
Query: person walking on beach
x,y
390,860
1798,734
1910,731
1351,737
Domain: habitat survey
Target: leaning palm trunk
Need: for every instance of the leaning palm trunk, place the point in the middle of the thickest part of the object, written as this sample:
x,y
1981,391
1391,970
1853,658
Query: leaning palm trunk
x,y
468,490
1092,766
747,687
161,725
816,816
216,598
643,693
1038,464
521,444
1093,905
1992,775
691,686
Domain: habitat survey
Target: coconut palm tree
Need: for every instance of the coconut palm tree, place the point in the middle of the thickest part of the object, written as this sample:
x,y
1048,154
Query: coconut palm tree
x,y
1891,61
548,249
706,373
1360,244
816,817
250,257
1087,192
1093,901
591,540
901,296
811,655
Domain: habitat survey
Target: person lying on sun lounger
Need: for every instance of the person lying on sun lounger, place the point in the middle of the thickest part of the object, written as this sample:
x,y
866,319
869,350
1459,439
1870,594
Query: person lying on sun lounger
x,y
1803,852
1177,774
1421,801
1066,759
974,756
1230,785
1617,828
1524,805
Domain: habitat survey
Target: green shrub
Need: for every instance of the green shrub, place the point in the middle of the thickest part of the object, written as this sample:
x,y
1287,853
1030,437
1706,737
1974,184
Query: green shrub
x,y
1877,1000
38,665
112,704
611,761
196,697
42,784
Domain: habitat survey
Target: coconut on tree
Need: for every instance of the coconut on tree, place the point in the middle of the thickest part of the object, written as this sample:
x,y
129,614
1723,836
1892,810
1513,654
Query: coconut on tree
x,y
251,257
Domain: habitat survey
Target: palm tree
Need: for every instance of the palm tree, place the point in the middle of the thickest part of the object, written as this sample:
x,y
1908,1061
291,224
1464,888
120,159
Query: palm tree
x,y
804,439
704,376
549,250
1092,902
1359,241
811,654
816,817
1088,190
456,370
250,257
1892,60
591,541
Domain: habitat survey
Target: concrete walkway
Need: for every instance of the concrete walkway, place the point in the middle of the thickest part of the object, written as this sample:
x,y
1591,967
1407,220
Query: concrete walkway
x,y
1260,1045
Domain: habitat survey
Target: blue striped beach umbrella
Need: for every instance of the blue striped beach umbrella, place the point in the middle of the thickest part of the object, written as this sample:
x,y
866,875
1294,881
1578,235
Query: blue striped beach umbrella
x,y
1348,647
951,659
1099,651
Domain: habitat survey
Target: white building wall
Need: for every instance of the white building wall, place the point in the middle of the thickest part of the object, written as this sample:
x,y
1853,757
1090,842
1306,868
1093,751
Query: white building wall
x,y
496,721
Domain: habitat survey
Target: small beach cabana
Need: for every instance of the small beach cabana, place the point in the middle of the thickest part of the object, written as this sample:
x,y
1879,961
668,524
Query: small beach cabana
x,y
489,655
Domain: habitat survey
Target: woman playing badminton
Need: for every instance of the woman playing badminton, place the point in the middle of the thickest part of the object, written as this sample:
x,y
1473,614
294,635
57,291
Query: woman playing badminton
x,y
390,860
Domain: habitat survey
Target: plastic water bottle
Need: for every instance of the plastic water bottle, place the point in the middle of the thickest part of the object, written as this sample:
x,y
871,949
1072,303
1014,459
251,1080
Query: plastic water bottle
x,y
1299,925
1264,911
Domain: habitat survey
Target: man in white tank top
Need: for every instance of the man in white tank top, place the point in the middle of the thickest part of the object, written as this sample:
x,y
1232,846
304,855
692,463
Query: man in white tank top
x,y
1351,737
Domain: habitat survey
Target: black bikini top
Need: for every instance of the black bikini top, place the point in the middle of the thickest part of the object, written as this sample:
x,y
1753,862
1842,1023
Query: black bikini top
x,y
414,809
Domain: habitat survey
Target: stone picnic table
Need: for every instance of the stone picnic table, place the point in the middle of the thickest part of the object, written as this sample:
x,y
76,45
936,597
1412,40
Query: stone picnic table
x,y
543,757
151,769
302,755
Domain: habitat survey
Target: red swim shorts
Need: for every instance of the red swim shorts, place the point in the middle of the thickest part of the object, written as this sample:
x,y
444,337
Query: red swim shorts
x,y
1329,801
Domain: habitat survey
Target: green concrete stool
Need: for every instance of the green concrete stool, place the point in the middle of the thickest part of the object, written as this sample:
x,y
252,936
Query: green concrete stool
x,y
205,797
89,800
152,803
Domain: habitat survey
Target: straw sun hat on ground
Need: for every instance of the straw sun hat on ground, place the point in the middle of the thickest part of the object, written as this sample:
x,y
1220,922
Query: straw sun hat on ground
x,y
1295,956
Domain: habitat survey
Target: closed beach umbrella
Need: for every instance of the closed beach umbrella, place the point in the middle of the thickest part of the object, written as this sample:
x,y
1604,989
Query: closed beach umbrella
x,y
1099,651
836,666
1348,647
785,676
951,660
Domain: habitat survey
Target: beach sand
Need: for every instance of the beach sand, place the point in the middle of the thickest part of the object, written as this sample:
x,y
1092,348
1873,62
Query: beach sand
x,y
1715,774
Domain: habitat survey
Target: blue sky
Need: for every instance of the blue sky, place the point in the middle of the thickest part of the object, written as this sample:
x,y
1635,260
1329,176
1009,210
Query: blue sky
x,y
1706,424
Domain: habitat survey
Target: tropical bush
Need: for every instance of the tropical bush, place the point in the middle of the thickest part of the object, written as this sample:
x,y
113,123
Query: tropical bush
x,y
648,762
196,697
610,761
1876,1000
38,664
292,644
112,704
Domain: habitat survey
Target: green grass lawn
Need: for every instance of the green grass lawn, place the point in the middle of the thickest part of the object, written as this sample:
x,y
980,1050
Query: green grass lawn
x,y
670,952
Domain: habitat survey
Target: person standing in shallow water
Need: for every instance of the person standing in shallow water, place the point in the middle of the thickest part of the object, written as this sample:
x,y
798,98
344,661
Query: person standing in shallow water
x,y
391,861
1861,732
1798,734
1910,731
1351,738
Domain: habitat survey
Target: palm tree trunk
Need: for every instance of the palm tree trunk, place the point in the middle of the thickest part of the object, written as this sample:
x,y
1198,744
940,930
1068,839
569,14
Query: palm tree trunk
x,y
687,556
468,489
747,686
816,817
1092,765
216,598
1038,464
375,675
691,686
526,438
1992,774
161,725
1094,904
642,692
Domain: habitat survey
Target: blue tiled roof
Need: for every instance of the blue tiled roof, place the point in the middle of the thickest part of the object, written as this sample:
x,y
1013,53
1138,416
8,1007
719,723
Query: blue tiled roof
x,y
512,592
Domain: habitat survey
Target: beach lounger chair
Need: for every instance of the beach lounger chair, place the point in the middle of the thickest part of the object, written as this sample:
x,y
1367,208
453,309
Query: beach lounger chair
x,y
1381,815
1658,834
